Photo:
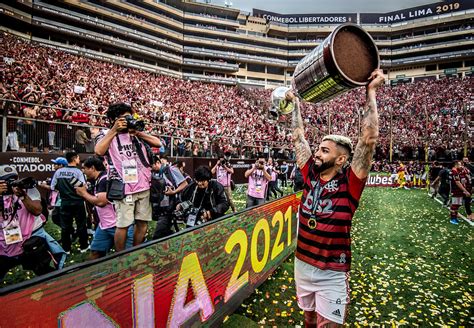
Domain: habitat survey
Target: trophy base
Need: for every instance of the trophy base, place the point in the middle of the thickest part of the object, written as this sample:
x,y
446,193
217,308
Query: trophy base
x,y
353,56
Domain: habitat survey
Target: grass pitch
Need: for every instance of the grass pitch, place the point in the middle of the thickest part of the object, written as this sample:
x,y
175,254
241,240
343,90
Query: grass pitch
x,y
410,267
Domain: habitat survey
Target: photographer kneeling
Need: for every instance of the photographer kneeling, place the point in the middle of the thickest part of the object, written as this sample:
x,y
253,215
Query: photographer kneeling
x,y
23,239
203,200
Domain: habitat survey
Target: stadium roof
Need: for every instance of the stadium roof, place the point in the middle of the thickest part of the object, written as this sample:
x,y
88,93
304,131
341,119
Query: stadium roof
x,y
321,6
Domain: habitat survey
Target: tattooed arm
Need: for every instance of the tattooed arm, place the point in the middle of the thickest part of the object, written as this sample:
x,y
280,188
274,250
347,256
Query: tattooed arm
x,y
365,148
302,149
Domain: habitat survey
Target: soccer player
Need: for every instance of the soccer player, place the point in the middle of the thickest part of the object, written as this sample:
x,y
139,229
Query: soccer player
x,y
469,172
330,197
459,190
401,178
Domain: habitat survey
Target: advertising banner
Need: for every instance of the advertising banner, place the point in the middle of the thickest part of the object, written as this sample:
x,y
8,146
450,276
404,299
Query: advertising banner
x,y
381,179
306,19
40,167
434,9
195,277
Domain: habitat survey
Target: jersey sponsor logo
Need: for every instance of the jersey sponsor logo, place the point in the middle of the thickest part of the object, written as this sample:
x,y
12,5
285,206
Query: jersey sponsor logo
x,y
67,174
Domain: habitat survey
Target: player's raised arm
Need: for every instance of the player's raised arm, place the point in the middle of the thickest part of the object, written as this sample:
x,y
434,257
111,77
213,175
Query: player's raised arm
x,y
302,149
365,148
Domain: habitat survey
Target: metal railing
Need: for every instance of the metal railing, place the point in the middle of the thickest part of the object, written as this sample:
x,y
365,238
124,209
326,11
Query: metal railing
x,y
19,133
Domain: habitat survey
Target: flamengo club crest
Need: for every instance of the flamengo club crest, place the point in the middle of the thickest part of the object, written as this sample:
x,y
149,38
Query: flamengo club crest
x,y
331,186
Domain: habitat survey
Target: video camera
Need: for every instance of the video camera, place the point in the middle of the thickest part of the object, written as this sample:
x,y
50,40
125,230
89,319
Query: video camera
x,y
134,124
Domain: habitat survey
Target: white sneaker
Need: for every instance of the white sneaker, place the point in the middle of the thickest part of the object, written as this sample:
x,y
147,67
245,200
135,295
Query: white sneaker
x,y
82,251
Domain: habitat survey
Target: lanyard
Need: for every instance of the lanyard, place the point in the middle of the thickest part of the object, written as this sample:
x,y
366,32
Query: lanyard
x,y
258,177
203,196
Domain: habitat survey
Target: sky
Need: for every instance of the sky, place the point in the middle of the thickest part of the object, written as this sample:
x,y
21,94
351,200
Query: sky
x,y
323,6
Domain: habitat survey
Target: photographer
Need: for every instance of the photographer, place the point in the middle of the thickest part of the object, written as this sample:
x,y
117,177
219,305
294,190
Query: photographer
x,y
23,239
272,169
204,199
103,210
127,149
72,205
223,170
258,181
166,184
284,174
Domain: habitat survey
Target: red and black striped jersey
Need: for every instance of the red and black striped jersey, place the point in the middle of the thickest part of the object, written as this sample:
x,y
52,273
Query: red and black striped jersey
x,y
325,218
461,175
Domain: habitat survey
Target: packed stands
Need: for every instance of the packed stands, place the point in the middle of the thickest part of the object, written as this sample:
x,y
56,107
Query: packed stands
x,y
46,84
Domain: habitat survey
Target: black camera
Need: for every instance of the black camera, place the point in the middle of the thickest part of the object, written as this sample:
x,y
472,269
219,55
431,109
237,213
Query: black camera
x,y
134,124
188,214
25,183
224,162
186,208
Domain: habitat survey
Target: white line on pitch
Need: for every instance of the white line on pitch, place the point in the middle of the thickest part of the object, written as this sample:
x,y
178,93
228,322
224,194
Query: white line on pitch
x,y
459,214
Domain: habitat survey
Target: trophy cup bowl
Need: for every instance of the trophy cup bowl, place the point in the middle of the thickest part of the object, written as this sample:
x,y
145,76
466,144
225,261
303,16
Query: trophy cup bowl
x,y
343,61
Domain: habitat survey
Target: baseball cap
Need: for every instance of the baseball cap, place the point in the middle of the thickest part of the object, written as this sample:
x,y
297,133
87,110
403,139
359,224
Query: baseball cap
x,y
60,161
8,172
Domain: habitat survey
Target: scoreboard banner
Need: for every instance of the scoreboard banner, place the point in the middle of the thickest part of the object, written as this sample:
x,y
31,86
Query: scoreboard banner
x,y
195,277
434,9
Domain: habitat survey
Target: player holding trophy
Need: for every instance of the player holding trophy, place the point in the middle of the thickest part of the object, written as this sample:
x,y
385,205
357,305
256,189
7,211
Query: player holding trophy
x,y
331,189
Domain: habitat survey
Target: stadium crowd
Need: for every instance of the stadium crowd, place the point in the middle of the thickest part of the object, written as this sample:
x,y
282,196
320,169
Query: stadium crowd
x,y
119,192
204,115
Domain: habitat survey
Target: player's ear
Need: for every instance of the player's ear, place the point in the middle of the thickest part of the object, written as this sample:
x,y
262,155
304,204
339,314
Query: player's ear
x,y
341,159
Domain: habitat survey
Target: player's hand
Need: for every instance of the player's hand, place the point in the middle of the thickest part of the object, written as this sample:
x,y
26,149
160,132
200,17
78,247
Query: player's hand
x,y
169,191
376,79
467,193
206,216
290,96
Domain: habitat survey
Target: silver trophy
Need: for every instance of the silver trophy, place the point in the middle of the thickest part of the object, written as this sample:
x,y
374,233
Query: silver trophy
x,y
343,61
